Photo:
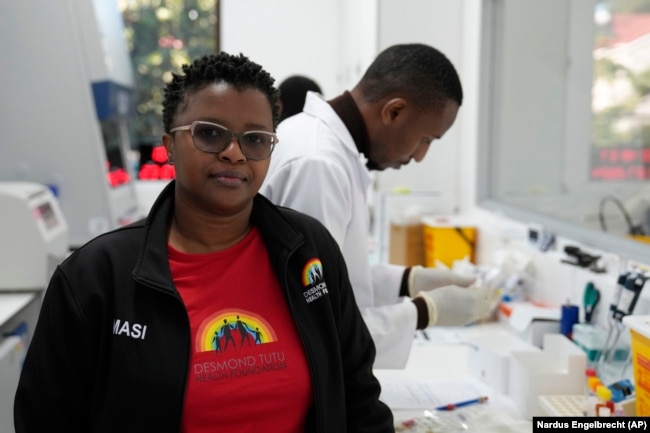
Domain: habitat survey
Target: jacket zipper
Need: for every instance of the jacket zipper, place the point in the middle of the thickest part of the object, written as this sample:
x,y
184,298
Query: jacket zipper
x,y
307,347
174,294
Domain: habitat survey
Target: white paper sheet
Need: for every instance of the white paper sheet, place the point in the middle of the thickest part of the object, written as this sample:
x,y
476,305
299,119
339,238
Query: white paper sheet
x,y
429,394
432,336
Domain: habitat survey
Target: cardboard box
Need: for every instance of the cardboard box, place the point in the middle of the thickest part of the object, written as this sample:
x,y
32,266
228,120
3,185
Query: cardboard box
x,y
406,244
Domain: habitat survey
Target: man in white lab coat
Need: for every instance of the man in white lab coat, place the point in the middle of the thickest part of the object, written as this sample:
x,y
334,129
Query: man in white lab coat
x,y
408,97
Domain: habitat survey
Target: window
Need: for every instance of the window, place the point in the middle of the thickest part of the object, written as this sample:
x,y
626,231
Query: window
x,y
621,92
560,101
162,36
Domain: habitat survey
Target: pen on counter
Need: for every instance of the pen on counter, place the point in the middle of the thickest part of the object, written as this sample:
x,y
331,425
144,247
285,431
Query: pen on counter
x,y
452,406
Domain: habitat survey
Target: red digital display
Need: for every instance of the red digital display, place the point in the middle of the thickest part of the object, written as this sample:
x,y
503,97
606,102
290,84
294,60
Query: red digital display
x,y
618,164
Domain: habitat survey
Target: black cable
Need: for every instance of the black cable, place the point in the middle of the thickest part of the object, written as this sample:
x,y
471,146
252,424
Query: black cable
x,y
632,229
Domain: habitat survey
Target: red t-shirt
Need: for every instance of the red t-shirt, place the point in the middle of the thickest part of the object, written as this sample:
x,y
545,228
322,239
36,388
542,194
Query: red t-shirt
x,y
248,371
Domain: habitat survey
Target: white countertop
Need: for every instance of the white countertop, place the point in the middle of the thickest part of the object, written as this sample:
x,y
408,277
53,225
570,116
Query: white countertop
x,y
12,303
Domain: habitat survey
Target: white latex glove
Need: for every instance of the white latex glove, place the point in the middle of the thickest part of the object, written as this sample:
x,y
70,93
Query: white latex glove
x,y
426,279
458,306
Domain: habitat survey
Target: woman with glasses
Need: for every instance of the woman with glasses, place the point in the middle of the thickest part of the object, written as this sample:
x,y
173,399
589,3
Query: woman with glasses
x,y
218,313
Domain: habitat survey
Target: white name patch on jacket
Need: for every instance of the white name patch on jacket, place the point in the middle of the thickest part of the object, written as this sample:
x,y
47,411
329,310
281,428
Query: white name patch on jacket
x,y
133,330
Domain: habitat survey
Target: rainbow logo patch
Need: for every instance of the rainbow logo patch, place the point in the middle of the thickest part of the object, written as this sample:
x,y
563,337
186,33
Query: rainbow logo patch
x,y
237,324
312,273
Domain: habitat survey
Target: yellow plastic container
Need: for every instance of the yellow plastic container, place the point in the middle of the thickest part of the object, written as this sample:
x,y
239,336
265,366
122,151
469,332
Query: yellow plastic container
x,y
447,240
640,341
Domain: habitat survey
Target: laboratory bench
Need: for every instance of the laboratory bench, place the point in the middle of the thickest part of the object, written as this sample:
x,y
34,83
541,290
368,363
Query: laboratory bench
x,y
18,316
451,365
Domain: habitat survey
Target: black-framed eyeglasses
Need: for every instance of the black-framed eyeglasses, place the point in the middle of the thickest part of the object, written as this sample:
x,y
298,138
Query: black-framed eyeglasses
x,y
213,138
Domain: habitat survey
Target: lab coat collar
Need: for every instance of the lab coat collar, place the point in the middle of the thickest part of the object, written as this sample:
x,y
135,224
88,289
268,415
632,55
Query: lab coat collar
x,y
349,113
315,105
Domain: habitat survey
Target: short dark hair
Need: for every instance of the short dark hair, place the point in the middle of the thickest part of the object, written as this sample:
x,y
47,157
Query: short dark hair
x,y
420,72
293,92
236,70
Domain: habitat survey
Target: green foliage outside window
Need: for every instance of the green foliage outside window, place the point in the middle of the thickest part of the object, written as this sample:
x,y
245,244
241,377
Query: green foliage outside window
x,y
162,35
621,125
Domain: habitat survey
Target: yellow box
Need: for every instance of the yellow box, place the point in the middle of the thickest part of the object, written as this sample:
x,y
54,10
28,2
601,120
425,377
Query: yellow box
x,y
640,341
447,240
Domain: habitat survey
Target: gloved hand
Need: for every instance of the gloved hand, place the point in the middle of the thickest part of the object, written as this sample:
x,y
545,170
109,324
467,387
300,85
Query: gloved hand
x,y
458,306
426,279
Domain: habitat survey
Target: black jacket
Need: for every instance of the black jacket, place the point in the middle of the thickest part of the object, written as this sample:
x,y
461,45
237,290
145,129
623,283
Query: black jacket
x,y
80,377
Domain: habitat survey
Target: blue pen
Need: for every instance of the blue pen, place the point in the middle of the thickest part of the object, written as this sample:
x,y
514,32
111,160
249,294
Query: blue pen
x,y
452,406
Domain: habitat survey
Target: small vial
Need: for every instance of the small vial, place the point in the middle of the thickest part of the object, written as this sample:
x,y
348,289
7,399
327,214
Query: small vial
x,y
606,406
589,397
604,411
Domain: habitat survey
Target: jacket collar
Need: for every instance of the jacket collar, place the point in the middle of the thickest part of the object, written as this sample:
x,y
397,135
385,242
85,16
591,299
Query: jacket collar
x,y
279,234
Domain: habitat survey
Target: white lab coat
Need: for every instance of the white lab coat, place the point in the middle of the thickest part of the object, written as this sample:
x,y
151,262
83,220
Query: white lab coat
x,y
317,169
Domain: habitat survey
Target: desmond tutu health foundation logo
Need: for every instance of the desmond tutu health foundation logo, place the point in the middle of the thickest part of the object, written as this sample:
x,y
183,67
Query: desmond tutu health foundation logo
x,y
229,329
312,279
239,339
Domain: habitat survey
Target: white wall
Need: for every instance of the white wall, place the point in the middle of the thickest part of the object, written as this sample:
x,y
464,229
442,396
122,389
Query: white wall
x,y
335,41
454,27
329,41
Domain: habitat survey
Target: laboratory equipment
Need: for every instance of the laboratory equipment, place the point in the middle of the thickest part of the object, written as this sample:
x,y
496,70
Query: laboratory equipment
x,y
540,238
71,104
591,298
605,407
627,293
628,289
592,338
621,390
582,259
568,318
34,237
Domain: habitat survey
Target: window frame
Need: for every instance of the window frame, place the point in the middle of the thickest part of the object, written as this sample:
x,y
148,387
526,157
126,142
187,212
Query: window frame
x,y
576,128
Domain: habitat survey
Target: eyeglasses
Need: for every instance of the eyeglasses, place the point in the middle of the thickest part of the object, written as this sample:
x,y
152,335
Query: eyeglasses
x,y
212,138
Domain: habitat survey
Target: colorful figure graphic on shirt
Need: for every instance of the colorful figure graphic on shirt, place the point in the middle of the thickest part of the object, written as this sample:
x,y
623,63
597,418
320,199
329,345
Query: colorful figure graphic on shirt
x,y
243,332
217,342
315,274
225,332
312,272
217,330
